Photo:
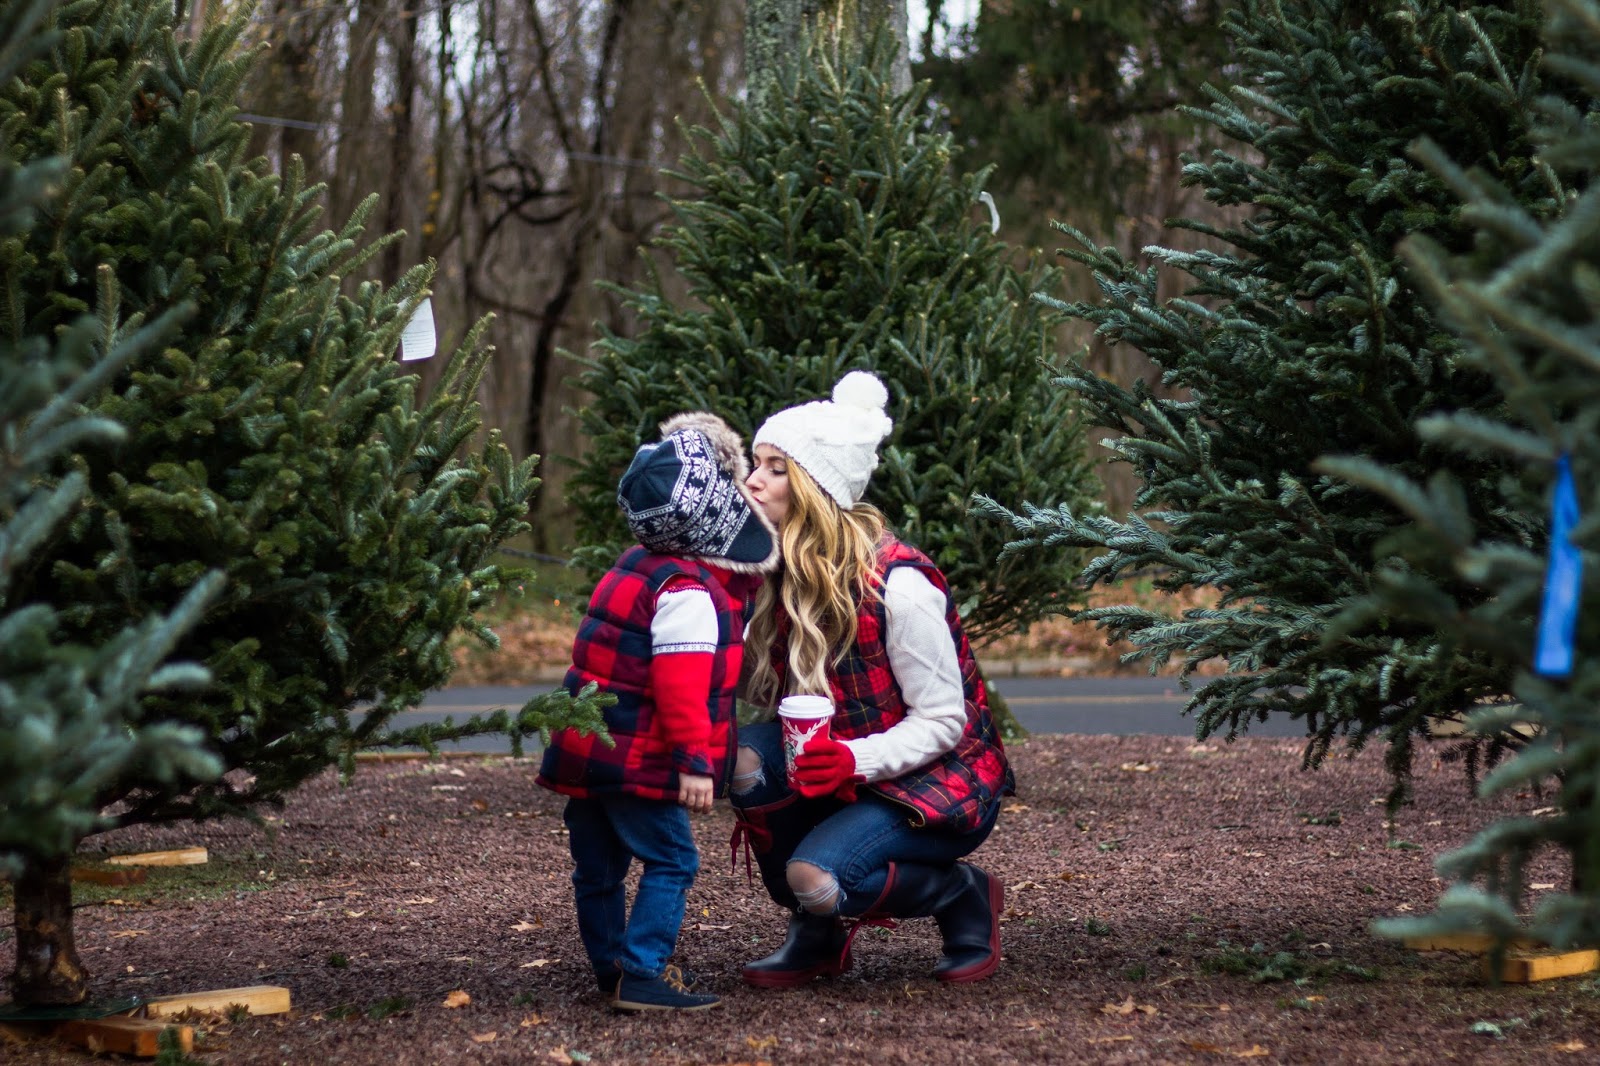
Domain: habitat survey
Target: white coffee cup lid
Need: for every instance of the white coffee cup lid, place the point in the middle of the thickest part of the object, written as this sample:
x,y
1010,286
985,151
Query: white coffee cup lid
x,y
806,707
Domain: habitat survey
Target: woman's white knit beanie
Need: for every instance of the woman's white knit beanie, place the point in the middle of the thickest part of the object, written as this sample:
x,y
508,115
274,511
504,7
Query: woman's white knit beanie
x,y
836,441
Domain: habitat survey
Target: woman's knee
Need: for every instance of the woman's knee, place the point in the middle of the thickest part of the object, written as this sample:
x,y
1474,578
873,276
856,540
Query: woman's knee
x,y
747,771
816,889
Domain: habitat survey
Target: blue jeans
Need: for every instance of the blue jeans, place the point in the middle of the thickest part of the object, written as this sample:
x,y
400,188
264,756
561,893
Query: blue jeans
x,y
855,842
606,834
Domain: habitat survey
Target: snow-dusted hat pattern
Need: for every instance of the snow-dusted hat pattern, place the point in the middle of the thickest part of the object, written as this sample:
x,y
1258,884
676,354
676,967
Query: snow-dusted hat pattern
x,y
835,441
685,496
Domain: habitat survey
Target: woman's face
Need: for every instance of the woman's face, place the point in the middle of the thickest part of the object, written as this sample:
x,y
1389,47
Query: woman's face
x,y
769,483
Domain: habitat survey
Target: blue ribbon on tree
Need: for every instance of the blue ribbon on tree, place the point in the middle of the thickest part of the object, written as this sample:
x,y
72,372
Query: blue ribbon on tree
x,y
1563,581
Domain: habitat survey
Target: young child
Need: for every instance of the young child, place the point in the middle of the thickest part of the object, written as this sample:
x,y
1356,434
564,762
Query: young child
x,y
664,633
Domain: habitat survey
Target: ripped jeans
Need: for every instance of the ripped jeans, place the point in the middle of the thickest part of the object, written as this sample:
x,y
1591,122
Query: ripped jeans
x,y
855,842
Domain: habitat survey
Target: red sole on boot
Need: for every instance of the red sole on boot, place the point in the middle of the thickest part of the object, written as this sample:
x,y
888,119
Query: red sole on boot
x,y
991,962
795,978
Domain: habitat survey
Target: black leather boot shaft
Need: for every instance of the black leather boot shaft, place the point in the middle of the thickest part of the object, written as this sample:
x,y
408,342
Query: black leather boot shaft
x,y
963,899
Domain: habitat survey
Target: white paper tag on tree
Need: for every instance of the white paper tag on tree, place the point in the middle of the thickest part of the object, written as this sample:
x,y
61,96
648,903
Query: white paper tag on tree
x,y
418,340
994,212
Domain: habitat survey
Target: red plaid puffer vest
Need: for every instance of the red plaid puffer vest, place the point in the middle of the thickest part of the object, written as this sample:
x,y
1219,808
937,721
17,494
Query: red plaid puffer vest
x,y
613,649
957,790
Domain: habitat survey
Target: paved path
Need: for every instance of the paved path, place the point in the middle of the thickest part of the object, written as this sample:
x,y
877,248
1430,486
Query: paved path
x,y
1120,705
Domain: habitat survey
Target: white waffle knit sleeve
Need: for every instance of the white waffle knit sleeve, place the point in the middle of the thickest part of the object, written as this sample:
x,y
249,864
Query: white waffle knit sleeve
x,y
922,654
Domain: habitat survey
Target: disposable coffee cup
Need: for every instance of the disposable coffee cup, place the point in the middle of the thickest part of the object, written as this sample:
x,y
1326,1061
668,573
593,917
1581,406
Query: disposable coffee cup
x,y
802,718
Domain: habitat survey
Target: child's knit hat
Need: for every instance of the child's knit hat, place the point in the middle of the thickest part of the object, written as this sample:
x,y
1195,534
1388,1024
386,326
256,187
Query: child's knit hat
x,y
835,441
685,496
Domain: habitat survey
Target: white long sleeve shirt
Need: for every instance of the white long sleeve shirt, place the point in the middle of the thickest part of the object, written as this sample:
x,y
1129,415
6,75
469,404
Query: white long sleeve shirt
x,y
922,654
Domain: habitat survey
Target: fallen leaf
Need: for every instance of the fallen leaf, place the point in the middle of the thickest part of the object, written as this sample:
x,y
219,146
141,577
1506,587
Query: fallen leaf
x,y
537,963
1109,1039
1015,808
130,932
1255,854
1032,1025
1021,885
354,914
1127,1007
1255,1051
761,1043
1543,810
915,991
459,958
531,1020
1316,999
1570,1046
421,901
480,805
484,1038
524,927
1139,767
1541,887
1404,907
458,998
1201,1045
702,927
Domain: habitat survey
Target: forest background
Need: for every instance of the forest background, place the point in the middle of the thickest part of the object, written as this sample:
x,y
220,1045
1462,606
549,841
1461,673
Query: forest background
x,y
526,147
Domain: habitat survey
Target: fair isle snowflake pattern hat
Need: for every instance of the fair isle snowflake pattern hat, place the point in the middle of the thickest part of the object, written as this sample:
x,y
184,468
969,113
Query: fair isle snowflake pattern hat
x,y
685,496
836,441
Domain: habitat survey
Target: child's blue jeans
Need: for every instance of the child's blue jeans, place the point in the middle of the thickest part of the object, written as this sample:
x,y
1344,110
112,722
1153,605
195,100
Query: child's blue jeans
x,y
607,834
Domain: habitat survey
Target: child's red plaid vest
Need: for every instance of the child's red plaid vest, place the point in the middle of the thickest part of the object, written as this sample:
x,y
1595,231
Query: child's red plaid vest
x,y
613,649
957,790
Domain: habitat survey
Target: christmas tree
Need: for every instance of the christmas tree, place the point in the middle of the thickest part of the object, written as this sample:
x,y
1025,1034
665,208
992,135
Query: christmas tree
x,y
828,232
267,436
1525,297
1304,335
61,702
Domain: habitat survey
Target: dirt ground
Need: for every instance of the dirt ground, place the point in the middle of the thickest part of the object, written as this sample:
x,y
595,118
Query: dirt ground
x,y
1166,902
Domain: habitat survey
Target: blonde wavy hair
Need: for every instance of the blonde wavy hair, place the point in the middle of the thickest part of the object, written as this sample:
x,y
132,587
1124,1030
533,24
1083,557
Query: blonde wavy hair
x,y
828,566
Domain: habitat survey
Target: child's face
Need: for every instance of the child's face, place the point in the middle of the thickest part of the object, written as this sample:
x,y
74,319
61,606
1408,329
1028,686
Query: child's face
x,y
769,483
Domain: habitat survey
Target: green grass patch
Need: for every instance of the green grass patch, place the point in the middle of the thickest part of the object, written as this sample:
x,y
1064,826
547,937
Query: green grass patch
x,y
1256,964
219,878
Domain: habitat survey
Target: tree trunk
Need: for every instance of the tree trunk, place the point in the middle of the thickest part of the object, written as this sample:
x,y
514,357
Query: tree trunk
x,y
400,143
48,972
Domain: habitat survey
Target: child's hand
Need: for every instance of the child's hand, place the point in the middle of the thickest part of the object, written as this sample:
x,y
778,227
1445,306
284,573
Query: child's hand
x,y
695,792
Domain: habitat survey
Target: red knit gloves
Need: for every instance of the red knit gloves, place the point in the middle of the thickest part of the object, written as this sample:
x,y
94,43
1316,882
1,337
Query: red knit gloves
x,y
825,766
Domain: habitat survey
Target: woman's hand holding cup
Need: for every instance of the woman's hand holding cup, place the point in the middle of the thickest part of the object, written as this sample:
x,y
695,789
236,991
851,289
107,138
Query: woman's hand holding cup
x,y
825,767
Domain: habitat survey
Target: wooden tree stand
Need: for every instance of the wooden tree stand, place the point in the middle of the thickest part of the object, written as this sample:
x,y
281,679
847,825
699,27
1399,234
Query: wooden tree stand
x,y
137,1030
1525,961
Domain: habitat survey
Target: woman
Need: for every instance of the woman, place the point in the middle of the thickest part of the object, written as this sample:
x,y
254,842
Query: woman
x,y
911,778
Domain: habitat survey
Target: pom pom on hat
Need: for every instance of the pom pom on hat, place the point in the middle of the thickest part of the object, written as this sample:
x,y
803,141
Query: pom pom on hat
x,y
835,441
861,389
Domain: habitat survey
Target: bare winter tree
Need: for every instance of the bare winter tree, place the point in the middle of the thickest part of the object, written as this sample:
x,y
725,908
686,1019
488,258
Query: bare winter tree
x,y
520,143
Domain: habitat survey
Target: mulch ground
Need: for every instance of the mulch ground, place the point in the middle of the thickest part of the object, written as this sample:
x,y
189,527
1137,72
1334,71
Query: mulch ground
x,y
1167,902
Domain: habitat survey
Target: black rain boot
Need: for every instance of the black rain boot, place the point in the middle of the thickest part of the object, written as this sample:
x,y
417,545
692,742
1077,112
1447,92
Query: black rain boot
x,y
818,945
771,838
963,899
